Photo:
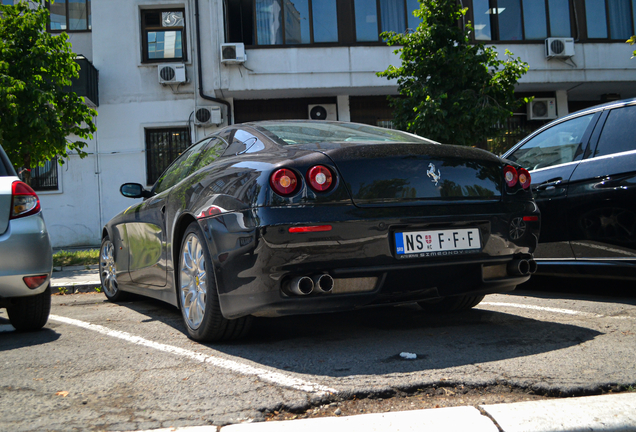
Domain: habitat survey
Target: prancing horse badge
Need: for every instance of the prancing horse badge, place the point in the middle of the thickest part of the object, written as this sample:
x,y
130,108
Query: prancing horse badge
x,y
431,173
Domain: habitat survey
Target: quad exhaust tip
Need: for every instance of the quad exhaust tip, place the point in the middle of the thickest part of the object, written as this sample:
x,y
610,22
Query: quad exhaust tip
x,y
305,285
522,267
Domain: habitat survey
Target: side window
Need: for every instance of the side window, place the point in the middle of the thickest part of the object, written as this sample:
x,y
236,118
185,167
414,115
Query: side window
x,y
163,35
619,132
180,168
212,151
244,142
558,145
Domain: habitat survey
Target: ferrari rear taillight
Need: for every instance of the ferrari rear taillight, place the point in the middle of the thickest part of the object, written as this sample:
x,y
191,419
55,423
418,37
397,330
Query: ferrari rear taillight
x,y
510,175
319,178
284,182
524,178
25,201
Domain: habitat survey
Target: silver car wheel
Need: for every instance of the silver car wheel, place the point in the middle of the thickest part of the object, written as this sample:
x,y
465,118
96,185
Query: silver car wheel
x,y
107,269
193,281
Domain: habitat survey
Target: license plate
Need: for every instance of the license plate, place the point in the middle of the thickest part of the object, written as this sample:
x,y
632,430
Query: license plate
x,y
437,243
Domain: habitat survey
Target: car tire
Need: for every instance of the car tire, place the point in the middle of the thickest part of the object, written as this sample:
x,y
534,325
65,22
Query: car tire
x,y
107,272
32,312
450,304
198,294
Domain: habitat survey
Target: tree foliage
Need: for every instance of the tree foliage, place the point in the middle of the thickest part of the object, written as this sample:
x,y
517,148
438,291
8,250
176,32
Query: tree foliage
x,y
632,41
453,91
38,113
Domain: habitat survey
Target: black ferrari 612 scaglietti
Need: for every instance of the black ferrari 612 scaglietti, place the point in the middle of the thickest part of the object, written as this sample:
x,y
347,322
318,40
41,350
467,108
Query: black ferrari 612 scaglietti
x,y
295,217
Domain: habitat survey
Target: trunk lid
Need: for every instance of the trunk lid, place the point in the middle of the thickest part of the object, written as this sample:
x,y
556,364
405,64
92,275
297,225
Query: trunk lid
x,y
408,174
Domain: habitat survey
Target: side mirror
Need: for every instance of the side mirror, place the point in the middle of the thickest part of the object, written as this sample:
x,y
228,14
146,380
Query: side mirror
x,y
134,190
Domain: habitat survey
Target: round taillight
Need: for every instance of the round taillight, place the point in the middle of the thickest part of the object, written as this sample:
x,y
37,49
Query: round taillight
x,y
319,178
524,178
284,182
510,175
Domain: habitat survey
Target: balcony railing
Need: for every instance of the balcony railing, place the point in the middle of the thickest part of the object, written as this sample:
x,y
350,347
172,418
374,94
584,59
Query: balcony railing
x,y
87,83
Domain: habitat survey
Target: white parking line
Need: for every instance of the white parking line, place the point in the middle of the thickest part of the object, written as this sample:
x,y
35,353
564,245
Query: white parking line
x,y
264,374
554,310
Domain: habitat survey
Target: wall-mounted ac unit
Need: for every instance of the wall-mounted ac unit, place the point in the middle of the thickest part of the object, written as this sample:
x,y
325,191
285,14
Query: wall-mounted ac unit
x,y
323,112
172,73
208,116
542,109
233,53
559,47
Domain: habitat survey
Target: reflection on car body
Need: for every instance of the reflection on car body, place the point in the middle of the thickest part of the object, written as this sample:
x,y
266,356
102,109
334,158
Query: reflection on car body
x,y
295,217
584,181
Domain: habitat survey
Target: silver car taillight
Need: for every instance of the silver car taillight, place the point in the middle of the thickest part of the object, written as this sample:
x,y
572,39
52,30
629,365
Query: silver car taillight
x,y
25,201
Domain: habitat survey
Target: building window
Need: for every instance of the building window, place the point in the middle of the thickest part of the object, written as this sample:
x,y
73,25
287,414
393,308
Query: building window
x,y
613,19
163,35
373,17
516,20
70,15
305,22
43,178
163,146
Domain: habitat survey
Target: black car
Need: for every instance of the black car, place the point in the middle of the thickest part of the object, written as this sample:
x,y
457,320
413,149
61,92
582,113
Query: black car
x,y
297,217
583,170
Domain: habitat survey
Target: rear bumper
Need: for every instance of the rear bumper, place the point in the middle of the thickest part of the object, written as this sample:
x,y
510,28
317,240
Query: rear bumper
x,y
255,256
25,250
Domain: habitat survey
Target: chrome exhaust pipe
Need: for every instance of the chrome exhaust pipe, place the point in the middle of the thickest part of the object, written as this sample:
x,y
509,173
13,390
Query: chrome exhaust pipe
x,y
518,267
532,266
323,283
301,285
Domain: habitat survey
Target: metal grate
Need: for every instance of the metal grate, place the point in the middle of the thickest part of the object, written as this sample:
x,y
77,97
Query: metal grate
x,y
162,147
44,178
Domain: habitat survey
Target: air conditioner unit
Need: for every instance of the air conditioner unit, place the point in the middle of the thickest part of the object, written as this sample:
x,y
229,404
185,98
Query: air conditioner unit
x,y
542,109
559,47
323,112
233,53
208,116
172,73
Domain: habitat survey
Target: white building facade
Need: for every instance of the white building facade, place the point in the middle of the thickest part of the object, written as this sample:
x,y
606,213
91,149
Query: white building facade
x,y
172,72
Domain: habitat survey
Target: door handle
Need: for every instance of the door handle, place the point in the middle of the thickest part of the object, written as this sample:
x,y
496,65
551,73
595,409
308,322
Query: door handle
x,y
551,185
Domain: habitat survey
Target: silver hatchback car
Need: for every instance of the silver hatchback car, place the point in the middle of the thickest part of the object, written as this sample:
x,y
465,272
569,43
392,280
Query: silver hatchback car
x,y
26,259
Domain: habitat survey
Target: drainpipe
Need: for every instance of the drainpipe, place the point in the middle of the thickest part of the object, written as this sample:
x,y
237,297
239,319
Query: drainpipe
x,y
200,69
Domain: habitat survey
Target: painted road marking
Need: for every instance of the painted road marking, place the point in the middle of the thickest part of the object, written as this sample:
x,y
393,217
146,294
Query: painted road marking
x,y
264,374
554,310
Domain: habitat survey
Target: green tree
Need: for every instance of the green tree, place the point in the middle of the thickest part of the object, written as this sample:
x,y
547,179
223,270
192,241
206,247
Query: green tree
x,y
453,91
38,113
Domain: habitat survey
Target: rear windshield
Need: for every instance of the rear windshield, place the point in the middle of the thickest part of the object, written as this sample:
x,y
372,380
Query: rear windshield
x,y
291,133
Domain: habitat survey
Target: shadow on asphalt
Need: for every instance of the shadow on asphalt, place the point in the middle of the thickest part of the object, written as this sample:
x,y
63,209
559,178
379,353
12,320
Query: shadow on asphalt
x,y
370,341
14,340
601,290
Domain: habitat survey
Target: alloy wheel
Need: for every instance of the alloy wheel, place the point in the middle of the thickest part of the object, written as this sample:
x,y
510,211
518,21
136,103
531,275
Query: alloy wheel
x,y
107,269
193,281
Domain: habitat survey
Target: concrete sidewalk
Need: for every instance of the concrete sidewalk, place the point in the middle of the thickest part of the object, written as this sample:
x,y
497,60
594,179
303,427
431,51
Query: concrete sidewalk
x,y
592,413
71,280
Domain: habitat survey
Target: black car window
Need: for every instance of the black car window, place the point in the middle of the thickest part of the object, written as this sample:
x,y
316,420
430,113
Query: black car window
x,y
619,132
210,153
557,145
292,133
180,168
251,143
